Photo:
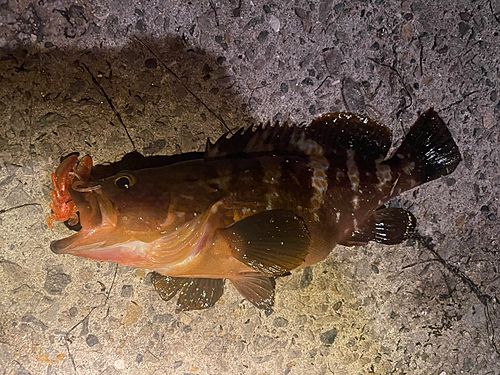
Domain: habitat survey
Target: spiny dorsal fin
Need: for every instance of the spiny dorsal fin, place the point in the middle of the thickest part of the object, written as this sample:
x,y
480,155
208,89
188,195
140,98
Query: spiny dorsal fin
x,y
326,135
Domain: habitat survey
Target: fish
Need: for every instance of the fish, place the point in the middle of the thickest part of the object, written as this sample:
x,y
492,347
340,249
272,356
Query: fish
x,y
255,206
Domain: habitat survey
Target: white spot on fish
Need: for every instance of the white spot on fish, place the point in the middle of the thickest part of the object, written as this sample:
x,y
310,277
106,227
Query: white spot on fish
x,y
245,210
319,180
355,202
223,182
384,176
339,175
409,168
272,175
352,170
307,146
271,196
337,217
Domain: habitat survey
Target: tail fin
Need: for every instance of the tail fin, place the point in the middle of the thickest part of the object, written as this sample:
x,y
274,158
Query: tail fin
x,y
428,151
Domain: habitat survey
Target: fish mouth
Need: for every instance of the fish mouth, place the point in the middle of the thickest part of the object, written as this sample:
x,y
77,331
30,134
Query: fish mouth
x,y
78,200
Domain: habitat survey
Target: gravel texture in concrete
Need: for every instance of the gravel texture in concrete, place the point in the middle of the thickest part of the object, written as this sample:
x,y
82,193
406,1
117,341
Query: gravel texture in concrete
x,y
108,77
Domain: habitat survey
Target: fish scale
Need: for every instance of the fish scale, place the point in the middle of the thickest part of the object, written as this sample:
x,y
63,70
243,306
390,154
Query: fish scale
x,y
255,206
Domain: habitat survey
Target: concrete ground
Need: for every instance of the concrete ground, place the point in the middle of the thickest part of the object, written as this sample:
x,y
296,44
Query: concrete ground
x,y
107,77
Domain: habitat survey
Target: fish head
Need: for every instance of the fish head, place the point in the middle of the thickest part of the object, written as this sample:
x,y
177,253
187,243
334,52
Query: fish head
x,y
118,214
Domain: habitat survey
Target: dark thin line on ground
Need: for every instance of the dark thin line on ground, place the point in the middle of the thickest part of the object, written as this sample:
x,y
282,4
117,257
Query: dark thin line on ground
x,y
401,80
496,15
4,210
417,263
112,284
81,321
165,66
20,365
110,102
458,101
491,329
421,58
30,116
67,338
70,355
427,243
212,5
485,299
327,77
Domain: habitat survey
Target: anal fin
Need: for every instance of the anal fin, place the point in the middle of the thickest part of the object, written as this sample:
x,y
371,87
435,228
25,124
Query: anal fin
x,y
194,293
271,242
389,226
256,288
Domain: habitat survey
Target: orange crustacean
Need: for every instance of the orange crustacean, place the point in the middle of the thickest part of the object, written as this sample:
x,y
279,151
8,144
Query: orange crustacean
x,y
62,206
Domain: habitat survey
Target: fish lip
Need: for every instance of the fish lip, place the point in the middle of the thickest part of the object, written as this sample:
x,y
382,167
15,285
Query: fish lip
x,y
64,245
83,241
53,247
56,249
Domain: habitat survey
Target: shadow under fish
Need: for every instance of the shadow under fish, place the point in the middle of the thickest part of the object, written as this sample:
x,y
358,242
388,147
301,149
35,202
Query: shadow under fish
x,y
252,207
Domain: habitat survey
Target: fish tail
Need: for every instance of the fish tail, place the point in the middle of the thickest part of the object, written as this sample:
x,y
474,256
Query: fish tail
x,y
427,153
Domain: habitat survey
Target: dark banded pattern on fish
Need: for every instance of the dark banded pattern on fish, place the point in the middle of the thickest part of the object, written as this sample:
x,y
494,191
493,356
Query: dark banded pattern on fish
x,y
259,204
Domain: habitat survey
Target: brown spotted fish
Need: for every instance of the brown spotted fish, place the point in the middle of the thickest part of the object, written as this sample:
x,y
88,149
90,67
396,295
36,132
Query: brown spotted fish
x,y
257,205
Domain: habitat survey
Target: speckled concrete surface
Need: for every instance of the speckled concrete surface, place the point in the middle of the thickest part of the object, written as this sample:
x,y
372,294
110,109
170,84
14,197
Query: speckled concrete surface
x,y
177,72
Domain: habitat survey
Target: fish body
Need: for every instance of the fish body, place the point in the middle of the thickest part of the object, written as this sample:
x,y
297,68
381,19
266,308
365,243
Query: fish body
x,y
258,205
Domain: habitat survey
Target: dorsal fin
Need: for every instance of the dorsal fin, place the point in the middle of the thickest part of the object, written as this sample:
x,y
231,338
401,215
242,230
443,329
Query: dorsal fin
x,y
326,135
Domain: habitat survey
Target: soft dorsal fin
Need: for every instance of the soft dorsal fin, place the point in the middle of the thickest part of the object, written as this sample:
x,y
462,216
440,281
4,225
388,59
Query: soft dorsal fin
x,y
326,135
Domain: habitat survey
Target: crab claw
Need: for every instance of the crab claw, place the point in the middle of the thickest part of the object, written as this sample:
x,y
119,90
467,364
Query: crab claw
x,y
84,168
62,178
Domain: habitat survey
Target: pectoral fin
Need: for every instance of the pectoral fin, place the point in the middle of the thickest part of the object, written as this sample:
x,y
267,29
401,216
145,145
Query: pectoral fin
x,y
271,242
194,293
258,289
389,226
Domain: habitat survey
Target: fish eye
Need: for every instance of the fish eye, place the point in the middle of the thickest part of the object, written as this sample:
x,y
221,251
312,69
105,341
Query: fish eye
x,y
125,181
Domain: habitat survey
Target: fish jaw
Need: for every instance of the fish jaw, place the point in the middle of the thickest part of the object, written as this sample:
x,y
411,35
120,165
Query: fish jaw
x,y
96,213
170,251
133,253
100,238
